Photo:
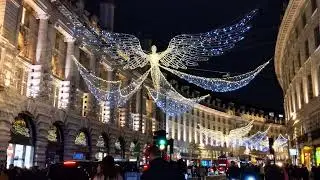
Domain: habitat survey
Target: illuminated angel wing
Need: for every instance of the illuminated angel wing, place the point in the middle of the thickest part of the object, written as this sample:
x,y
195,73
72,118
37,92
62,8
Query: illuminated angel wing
x,y
280,141
124,47
240,132
187,49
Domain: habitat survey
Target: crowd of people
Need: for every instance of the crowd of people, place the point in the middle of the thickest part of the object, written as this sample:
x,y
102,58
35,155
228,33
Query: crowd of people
x,y
163,170
273,172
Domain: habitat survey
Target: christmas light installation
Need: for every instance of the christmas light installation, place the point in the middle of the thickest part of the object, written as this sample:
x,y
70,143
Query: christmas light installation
x,y
112,90
219,84
255,140
235,135
169,100
183,51
280,142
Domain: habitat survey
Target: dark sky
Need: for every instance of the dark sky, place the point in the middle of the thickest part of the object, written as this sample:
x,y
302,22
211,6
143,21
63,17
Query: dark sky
x,y
161,20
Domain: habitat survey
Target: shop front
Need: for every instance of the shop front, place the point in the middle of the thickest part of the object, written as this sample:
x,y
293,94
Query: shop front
x,y
306,156
103,147
83,146
317,156
20,151
54,152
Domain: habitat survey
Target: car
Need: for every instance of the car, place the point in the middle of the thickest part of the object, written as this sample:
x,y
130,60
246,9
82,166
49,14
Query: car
x,y
69,170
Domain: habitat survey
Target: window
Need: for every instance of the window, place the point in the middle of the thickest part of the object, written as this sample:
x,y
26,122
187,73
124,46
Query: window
x,y
316,34
310,93
293,68
296,32
304,20
313,5
306,49
298,60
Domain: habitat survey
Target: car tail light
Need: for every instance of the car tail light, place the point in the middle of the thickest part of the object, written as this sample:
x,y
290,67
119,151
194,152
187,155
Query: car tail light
x,y
69,163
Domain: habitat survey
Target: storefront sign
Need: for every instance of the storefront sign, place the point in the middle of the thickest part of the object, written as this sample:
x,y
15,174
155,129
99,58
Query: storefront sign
x,y
19,127
78,156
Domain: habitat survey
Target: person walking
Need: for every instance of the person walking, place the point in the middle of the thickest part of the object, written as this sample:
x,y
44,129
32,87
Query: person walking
x,y
99,175
160,169
233,172
110,171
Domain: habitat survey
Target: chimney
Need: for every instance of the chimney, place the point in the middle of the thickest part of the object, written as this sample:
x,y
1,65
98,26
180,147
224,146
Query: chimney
x,y
107,14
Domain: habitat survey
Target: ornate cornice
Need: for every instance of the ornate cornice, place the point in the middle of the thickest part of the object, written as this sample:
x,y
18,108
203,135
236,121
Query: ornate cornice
x,y
287,24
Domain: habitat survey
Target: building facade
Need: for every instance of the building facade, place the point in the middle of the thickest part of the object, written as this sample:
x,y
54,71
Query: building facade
x,y
297,68
188,130
46,111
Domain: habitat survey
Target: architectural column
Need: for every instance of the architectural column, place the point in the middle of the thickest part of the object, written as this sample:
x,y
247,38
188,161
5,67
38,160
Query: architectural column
x,y
42,58
70,136
41,141
69,66
293,100
315,81
64,95
305,89
298,95
42,39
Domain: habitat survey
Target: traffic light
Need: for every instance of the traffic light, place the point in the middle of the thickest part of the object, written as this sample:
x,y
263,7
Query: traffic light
x,y
162,143
160,140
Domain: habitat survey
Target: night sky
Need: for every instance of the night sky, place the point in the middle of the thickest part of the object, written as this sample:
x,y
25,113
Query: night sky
x,y
161,20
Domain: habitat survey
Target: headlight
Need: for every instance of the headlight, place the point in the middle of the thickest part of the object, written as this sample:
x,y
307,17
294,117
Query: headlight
x,y
250,178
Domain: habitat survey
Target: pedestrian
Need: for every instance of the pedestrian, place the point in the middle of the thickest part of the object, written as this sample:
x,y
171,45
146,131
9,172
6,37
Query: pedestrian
x,y
304,172
202,172
233,172
160,169
99,175
110,171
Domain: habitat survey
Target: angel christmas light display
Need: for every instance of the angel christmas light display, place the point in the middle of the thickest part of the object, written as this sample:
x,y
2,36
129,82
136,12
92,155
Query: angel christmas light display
x,y
183,51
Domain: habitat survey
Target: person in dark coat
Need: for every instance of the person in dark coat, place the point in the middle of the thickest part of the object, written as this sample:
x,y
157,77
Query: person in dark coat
x,y
233,171
159,168
304,172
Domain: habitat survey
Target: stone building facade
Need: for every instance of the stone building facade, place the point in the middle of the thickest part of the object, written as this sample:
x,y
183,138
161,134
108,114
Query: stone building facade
x,y
189,128
297,68
46,111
